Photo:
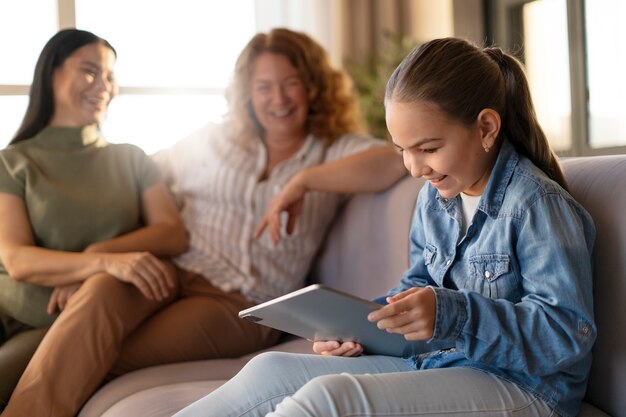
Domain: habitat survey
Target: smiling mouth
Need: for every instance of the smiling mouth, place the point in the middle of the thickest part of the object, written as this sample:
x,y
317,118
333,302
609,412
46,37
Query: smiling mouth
x,y
281,113
435,181
99,103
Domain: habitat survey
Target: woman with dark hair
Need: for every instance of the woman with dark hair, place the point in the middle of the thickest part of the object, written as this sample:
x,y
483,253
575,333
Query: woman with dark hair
x,y
81,220
292,125
41,98
498,297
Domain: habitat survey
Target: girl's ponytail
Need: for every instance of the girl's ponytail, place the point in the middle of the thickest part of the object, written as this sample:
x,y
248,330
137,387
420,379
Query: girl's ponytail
x,y
520,124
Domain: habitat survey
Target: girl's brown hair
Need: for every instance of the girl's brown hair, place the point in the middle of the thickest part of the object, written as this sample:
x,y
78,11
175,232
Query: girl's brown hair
x,y
463,79
333,108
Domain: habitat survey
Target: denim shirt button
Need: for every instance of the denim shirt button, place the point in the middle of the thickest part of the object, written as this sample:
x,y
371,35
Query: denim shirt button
x,y
487,274
448,262
585,329
444,200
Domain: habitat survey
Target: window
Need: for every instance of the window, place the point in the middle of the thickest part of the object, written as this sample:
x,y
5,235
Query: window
x,y
19,57
606,66
571,52
174,60
545,41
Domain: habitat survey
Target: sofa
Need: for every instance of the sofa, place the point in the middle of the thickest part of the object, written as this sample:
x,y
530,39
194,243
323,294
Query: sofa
x,y
365,253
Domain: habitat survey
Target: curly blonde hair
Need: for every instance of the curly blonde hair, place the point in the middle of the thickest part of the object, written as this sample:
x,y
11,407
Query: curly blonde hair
x,y
333,107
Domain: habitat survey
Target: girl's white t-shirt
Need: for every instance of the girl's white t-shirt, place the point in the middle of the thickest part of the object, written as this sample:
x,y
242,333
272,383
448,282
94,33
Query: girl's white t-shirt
x,y
470,204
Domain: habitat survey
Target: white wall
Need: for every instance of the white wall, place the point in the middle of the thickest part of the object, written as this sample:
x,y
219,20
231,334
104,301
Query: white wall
x,y
318,18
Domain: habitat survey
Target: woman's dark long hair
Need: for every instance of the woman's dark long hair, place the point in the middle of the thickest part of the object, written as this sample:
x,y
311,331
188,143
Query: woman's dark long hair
x,y
41,98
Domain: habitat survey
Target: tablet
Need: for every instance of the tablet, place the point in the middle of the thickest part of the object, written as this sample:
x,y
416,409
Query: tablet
x,y
318,312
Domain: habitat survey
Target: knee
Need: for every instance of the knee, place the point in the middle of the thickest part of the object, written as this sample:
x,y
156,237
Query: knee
x,y
329,385
326,395
101,279
266,363
98,292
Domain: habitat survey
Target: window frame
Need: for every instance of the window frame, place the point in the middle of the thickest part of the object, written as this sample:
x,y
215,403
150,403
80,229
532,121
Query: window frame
x,y
504,28
66,18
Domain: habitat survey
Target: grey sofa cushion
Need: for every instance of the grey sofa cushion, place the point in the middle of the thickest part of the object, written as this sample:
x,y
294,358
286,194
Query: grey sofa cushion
x,y
367,249
25,302
139,388
164,400
599,184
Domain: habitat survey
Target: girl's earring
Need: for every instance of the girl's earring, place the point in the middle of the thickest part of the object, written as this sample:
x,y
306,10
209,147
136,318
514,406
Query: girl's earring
x,y
486,148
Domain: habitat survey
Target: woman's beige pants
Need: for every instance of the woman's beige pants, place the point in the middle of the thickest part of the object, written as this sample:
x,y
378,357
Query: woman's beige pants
x,y
108,328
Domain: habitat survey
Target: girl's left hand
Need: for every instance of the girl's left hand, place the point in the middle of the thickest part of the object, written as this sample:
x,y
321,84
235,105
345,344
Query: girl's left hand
x,y
60,296
335,348
291,200
410,313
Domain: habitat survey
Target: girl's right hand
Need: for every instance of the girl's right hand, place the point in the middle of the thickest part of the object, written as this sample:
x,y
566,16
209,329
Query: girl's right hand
x,y
334,348
143,270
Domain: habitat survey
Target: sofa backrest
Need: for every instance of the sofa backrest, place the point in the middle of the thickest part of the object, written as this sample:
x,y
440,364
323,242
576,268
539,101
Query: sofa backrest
x,y
366,253
599,184
367,248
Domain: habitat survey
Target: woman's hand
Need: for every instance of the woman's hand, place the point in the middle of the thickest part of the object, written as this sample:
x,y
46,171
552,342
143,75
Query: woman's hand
x,y
143,270
410,313
290,199
125,256
334,348
60,296
371,170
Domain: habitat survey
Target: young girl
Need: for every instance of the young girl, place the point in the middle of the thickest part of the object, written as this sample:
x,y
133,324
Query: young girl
x,y
498,297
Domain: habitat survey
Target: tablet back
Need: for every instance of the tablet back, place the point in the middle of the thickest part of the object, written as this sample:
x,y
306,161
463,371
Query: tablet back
x,y
318,312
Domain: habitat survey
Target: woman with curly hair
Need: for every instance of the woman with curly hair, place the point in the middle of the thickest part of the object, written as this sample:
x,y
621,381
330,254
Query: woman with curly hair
x,y
291,130
331,105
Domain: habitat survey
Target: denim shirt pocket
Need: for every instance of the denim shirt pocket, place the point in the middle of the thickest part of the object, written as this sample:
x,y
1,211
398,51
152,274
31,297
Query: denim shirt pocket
x,y
429,253
430,257
491,275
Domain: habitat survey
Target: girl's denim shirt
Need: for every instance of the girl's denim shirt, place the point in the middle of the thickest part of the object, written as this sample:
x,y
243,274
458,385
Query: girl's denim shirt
x,y
514,294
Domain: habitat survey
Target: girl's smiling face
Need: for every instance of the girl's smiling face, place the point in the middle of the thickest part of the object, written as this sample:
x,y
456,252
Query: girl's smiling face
x,y
446,152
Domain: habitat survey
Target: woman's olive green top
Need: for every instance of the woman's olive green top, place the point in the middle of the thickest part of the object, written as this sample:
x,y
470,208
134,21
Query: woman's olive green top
x,y
78,189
